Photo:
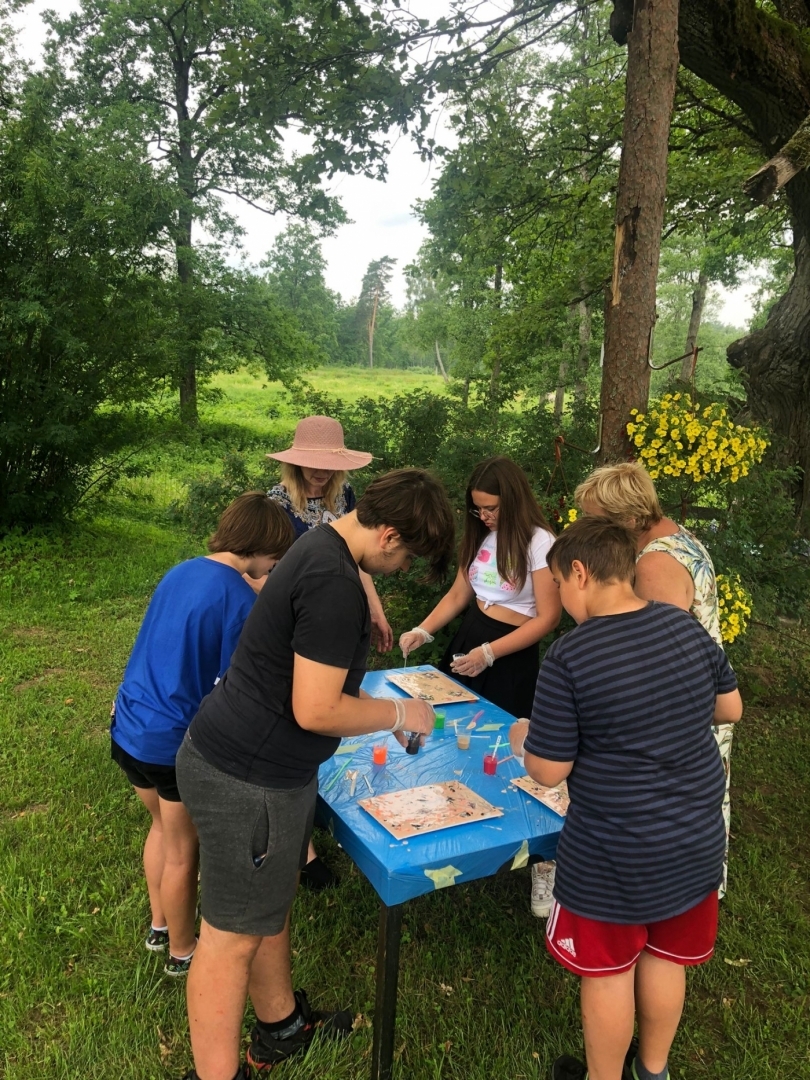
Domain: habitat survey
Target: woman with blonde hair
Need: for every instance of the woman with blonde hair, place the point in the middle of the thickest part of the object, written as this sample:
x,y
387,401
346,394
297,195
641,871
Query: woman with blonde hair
x,y
672,567
505,585
314,490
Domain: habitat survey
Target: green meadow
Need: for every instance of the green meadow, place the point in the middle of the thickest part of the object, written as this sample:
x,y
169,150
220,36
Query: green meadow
x,y
80,997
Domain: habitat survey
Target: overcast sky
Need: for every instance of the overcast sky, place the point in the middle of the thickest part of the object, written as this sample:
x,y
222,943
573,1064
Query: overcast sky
x,y
382,221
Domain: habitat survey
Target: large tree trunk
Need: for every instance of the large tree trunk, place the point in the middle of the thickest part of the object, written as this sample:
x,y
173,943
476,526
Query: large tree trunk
x,y
652,64
584,353
372,322
188,358
559,396
695,319
762,64
495,376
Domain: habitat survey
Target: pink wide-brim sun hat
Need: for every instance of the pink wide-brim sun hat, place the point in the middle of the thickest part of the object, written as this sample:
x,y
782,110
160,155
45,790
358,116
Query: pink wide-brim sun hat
x,y
318,444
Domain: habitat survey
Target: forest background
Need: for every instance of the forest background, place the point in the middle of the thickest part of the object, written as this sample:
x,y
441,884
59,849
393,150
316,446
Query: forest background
x,y
146,371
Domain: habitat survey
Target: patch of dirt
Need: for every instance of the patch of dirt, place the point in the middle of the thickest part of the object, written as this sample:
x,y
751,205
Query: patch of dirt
x,y
48,673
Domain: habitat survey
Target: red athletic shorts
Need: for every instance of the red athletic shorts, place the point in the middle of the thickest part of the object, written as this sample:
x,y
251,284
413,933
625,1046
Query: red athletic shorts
x,y
597,949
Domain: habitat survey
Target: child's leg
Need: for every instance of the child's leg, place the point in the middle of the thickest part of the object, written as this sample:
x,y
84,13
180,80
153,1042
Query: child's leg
x,y
607,1023
153,854
660,992
178,886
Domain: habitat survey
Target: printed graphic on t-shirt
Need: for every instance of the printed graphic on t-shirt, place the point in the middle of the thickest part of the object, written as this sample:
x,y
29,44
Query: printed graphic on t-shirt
x,y
484,571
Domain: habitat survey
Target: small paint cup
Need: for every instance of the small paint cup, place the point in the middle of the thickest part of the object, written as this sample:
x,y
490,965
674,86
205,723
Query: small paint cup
x,y
379,754
463,740
490,764
458,656
439,724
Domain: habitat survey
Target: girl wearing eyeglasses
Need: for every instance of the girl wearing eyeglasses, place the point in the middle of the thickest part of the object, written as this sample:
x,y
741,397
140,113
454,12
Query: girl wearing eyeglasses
x,y
506,586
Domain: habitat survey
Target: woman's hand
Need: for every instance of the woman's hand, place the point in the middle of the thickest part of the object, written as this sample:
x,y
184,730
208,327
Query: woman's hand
x,y
471,664
413,639
419,716
382,636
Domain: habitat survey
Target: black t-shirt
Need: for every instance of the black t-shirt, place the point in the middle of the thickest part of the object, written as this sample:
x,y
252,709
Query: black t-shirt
x,y
312,604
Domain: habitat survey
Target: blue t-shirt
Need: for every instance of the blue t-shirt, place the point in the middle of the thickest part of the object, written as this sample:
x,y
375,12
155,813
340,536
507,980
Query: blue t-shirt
x,y
630,700
186,641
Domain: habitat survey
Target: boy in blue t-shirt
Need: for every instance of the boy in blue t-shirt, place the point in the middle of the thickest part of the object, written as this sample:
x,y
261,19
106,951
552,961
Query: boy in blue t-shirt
x,y
185,642
623,709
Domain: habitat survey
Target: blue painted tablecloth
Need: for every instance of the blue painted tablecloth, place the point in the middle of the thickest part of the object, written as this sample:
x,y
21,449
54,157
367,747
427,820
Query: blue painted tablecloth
x,y
402,869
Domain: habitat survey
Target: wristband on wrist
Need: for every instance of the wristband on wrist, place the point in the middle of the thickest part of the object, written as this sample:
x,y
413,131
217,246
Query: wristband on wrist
x,y
489,655
399,706
426,637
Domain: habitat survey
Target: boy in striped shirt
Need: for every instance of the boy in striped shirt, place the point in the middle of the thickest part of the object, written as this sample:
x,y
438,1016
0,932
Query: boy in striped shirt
x,y
623,709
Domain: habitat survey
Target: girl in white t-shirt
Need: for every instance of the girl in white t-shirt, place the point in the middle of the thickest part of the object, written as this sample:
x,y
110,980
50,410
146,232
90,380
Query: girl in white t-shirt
x,y
504,582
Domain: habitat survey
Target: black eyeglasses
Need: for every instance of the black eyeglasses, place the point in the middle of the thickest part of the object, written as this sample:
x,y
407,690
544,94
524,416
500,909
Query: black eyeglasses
x,y
476,513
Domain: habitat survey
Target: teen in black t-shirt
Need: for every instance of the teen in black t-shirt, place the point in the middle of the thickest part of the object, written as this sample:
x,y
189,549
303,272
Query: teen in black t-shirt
x,y
248,770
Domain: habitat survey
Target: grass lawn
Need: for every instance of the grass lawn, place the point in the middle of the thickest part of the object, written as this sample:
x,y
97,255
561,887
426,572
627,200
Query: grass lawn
x,y
81,998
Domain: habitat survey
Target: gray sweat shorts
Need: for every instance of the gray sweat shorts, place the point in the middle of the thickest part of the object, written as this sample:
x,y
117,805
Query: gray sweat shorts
x,y
253,842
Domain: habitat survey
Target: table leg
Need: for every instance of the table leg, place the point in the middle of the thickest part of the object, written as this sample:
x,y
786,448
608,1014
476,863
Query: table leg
x,y
385,1009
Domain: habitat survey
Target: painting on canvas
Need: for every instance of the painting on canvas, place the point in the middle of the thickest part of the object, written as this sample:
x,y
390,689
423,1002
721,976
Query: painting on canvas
x,y
555,798
430,686
426,809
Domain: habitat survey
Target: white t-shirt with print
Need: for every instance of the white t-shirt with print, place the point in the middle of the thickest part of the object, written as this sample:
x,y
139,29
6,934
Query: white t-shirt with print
x,y
488,585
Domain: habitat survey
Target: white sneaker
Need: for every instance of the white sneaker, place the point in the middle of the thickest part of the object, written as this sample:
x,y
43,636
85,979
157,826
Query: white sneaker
x,y
542,888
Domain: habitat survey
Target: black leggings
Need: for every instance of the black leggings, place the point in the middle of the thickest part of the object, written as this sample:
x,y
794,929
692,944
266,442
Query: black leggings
x,y
511,681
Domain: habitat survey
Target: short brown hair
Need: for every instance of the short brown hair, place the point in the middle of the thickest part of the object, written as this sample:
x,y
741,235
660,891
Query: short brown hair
x,y
605,548
413,502
623,493
253,525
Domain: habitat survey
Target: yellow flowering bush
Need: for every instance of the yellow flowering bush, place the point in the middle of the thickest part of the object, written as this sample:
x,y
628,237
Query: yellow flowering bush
x,y
735,606
679,438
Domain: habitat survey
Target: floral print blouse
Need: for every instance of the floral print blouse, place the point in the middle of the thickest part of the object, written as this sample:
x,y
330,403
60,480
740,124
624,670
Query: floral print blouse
x,y
693,556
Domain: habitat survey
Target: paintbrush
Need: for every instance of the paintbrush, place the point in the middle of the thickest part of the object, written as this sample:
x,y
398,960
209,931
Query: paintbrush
x,y
475,720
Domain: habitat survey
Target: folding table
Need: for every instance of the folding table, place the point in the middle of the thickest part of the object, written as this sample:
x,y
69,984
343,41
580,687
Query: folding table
x,y
399,870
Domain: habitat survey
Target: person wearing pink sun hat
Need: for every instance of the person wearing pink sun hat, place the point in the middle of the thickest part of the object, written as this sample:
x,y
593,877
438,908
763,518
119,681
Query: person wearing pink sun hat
x,y
313,491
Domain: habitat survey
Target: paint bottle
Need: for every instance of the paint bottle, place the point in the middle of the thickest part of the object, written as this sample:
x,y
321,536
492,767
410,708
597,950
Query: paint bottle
x,y
490,764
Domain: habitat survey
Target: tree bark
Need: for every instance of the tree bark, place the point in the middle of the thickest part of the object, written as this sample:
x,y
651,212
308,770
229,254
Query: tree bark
x,y
652,64
439,361
559,396
584,353
495,376
774,174
695,318
371,324
188,360
183,250
762,63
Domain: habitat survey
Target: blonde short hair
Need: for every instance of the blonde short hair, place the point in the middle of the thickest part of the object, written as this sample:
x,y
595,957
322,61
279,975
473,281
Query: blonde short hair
x,y
624,493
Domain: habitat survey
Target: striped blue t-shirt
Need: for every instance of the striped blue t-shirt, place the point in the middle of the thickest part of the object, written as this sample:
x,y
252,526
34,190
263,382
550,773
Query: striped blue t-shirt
x,y
630,699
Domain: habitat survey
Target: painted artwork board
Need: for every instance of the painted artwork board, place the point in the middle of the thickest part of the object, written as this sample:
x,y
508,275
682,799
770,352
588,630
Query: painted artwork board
x,y
555,798
431,686
427,809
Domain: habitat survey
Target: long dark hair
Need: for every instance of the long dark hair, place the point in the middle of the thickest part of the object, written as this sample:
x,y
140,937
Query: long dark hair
x,y
518,517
